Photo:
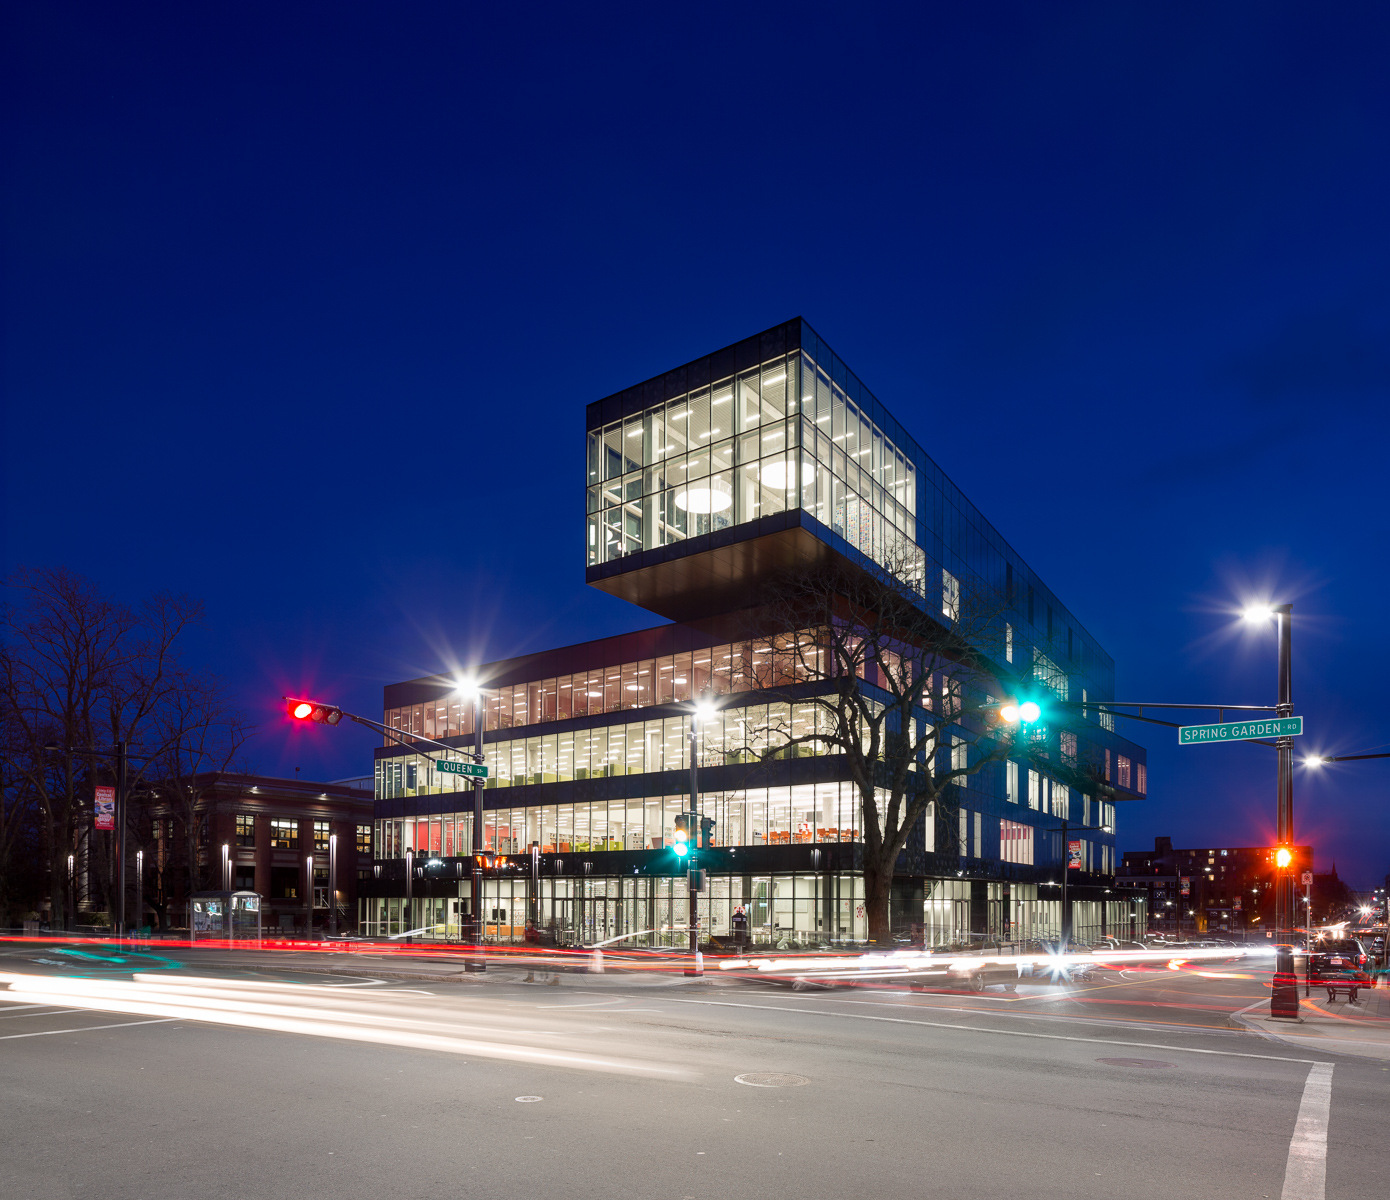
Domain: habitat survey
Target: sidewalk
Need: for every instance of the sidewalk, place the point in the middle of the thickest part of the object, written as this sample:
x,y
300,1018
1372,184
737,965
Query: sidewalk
x,y
1362,1028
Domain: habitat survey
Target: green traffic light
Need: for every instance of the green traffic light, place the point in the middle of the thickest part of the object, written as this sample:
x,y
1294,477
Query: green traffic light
x,y
681,849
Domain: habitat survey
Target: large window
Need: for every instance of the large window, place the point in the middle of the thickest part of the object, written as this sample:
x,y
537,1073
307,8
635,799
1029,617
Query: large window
x,y
284,833
246,830
1016,842
776,437
321,835
364,840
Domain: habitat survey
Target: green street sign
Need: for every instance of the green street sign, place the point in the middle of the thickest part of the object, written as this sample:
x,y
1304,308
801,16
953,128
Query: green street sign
x,y
449,767
1239,731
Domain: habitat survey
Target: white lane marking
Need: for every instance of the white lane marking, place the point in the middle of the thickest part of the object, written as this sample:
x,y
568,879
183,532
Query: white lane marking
x,y
588,1004
1049,1037
1305,1178
51,1011
86,1028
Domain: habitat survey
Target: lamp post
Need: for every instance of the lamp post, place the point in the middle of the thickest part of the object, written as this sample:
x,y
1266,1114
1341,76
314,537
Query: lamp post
x,y
120,754
1285,904
479,695
702,708
139,889
309,896
332,885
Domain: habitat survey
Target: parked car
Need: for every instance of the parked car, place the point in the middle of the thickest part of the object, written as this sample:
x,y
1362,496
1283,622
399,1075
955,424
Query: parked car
x,y
1344,958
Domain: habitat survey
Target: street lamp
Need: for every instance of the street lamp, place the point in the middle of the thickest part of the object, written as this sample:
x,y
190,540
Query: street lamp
x,y
120,754
1259,614
332,885
700,710
473,690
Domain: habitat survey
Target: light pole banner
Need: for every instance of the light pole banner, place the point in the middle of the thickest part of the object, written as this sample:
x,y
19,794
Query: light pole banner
x,y
106,808
1074,856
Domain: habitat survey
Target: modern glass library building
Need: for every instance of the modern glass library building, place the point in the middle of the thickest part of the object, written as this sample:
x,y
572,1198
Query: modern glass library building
x,y
700,482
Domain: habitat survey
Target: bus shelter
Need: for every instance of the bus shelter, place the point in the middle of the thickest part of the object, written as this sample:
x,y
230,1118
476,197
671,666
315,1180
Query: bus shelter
x,y
225,916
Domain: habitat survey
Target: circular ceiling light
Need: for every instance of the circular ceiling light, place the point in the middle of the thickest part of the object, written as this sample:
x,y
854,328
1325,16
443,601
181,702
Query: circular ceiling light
x,y
774,474
707,496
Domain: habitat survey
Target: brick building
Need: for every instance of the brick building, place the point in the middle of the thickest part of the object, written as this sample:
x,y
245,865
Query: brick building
x,y
1209,891
271,836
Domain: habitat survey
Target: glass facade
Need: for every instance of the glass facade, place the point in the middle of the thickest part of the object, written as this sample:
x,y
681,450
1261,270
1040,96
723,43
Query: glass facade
x,y
783,435
797,909
726,736
663,679
802,814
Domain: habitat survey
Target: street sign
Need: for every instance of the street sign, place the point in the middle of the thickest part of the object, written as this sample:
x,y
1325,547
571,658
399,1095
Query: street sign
x,y
447,766
1239,731
1307,878
106,808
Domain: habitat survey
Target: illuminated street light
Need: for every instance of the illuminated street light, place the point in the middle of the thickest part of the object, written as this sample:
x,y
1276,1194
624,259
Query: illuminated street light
x,y
1257,613
1282,857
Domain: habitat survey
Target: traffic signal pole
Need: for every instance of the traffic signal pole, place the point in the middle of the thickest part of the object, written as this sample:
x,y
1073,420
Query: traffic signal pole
x,y
1285,902
697,966
479,718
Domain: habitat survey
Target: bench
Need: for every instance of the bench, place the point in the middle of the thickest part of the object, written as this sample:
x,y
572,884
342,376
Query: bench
x,y
1335,986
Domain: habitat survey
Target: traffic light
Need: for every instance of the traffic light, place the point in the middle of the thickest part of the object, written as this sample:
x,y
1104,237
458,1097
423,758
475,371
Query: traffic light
x,y
706,832
684,839
1014,713
307,710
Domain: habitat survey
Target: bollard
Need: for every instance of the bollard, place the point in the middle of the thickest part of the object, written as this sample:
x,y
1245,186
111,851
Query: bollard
x,y
1283,1003
596,966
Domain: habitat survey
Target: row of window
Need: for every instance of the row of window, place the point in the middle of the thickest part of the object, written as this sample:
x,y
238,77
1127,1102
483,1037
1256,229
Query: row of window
x,y
771,816
641,747
672,678
757,400
284,833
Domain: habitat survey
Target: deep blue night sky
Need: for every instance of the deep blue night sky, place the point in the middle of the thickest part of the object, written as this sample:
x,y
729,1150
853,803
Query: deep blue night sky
x,y
303,304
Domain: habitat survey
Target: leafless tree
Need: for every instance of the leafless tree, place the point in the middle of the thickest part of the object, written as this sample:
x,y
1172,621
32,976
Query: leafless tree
x,y
201,735
83,671
910,695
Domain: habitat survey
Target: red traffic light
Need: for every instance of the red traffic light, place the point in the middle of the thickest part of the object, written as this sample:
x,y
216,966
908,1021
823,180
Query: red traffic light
x,y
307,710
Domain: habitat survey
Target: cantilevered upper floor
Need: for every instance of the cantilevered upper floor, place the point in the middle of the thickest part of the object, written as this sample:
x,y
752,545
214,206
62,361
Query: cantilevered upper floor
x,y
771,453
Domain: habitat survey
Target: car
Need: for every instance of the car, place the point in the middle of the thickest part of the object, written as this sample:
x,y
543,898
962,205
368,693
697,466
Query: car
x,y
1338,958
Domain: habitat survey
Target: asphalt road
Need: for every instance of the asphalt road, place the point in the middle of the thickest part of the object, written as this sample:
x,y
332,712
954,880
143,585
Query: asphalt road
x,y
207,1075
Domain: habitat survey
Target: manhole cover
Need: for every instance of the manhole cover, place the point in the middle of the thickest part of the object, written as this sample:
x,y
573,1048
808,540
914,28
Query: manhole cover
x,y
527,1099
1134,1062
771,1079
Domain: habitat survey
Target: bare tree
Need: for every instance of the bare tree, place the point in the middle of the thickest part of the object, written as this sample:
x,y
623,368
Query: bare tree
x,y
910,695
82,671
201,735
